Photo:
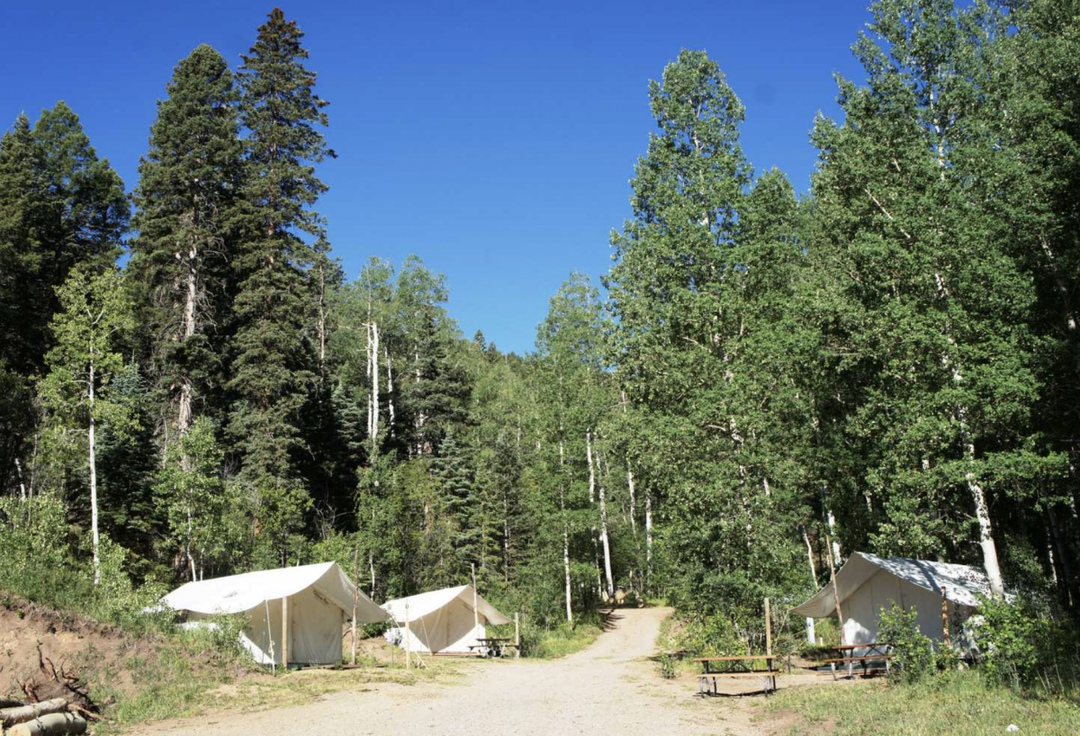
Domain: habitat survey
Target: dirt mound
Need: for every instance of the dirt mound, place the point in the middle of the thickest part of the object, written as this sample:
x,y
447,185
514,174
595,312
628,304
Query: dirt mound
x,y
44,654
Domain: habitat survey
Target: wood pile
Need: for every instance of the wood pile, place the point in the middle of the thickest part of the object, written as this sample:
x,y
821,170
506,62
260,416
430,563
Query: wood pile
x,y
52,717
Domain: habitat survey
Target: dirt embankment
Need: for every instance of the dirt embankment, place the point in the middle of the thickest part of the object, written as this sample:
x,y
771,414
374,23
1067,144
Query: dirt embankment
x,y
45,654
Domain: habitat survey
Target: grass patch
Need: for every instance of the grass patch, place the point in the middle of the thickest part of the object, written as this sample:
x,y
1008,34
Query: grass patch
x,y
565,640
176,690
960,704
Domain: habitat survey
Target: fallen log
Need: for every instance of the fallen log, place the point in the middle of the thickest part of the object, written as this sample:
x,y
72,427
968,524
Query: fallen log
x,y
22,713
52,724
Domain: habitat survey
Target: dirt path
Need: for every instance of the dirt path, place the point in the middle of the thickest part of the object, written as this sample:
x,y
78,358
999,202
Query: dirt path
x,y
611,687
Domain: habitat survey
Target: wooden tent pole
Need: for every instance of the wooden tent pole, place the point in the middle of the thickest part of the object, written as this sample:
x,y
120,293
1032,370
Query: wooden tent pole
x,y
285,633
768,629
408,640
355,601
475,609
835,591
270,636
945,617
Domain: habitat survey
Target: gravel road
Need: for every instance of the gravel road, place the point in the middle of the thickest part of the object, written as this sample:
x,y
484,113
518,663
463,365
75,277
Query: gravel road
x,y
611,687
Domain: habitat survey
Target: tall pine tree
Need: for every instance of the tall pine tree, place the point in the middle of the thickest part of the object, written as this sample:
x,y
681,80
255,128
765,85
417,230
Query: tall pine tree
x,y
188,221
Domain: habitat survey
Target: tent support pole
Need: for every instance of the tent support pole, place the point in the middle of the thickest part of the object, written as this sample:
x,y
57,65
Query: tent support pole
x,y
945,618
768,629
355,600
517,636
408,640
835,592
475,610
285,633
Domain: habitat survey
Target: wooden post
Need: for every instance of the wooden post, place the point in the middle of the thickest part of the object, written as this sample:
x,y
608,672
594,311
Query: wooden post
x,y
408,640
945,618
517,636
355,601
285,633
475,609
835,591
768,629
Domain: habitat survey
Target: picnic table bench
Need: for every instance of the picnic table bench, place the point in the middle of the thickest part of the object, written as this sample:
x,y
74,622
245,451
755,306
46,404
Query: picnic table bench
x,y
491,647
737,666
848,656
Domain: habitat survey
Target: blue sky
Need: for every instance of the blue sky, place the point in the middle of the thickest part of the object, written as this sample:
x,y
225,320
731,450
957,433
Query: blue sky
x,y
493,139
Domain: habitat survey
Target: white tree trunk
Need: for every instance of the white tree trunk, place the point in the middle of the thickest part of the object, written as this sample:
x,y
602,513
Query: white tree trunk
x,y
648,533
188,328
810,633
367,348
978,495
566,539
589,458
389,388
374,385
93,478
606,544
633,501
22,485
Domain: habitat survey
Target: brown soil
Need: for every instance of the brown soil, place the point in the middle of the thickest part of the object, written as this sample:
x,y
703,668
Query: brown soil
x,y
45,654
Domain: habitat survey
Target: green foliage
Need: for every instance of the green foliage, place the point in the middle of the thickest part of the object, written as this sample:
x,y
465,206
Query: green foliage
x,y
967,703
1024,647
913,653
206,516
32,535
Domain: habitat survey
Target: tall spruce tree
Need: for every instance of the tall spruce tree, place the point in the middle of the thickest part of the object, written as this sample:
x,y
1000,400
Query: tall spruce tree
x,y
273,360
188,220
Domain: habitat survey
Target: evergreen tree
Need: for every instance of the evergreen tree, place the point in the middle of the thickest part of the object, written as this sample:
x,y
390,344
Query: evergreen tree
x,y
187,222
273,363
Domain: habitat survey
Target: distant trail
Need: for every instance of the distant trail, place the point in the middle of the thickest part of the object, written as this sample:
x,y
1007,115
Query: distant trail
x,y
611,687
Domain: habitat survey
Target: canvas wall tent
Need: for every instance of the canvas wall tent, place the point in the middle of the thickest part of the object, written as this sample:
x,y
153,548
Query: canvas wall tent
x,y
867,583
443,620
316,600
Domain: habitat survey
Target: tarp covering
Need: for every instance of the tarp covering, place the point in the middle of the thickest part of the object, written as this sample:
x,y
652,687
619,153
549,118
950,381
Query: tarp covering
x,y
867,583
239,593
320,601
442,620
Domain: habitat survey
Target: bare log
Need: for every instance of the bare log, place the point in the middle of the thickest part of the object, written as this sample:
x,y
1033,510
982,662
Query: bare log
x,y
52,724
22,713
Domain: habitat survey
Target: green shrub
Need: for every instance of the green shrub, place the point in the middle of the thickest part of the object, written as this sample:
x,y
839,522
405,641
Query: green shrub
x,y
1023,645
913,653
668,666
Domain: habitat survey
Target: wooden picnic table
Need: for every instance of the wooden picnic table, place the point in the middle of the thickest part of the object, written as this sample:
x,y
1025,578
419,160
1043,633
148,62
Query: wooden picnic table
x,y
874,652
491,646
735,666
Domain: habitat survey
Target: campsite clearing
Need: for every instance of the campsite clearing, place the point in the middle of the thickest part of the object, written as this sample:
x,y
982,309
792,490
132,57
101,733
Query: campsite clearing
x,y
611,687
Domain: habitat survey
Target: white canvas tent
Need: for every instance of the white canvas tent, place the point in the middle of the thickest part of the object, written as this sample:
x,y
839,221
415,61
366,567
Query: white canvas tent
x,y
316,600
443,620
867,583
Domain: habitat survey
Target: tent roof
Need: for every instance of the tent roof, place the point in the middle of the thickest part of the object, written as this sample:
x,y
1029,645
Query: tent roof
x,y
422,604
961,584
239,593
